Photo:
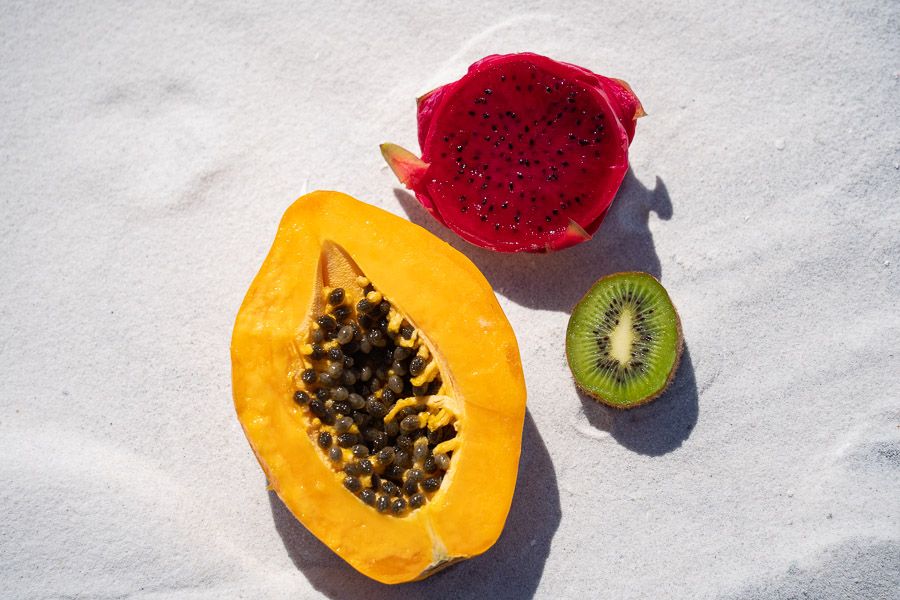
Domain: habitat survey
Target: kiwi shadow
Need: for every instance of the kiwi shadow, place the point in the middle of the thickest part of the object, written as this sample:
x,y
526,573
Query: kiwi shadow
x,y
556,281
512,568
656,428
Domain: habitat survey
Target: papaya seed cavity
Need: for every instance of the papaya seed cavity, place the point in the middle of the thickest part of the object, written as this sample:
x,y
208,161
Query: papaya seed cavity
x,y
372,396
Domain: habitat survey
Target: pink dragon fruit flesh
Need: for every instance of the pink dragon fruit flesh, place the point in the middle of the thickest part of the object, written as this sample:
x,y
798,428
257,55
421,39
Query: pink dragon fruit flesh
x,y
522,154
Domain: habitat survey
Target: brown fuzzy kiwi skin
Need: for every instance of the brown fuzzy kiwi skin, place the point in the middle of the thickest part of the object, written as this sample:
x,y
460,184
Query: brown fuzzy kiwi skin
x,y
678,349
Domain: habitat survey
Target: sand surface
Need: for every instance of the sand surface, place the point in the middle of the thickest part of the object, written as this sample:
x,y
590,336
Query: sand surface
x,y
146,156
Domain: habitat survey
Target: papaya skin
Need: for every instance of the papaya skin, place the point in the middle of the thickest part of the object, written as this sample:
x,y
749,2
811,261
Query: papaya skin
x,y
450,302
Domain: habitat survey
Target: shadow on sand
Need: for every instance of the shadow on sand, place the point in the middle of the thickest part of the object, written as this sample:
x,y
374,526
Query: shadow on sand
x,y
656,428
556,281
514,566
511,569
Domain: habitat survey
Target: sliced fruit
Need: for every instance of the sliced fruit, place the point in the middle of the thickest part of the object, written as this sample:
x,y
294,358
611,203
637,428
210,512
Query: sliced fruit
x,y
521,152
624,340
380,387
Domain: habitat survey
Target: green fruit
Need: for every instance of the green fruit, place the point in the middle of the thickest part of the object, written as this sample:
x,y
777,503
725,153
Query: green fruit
x,y
623,342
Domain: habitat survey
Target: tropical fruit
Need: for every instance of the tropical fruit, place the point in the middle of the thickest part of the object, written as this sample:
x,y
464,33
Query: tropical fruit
x,y
380,387
624,340
522,153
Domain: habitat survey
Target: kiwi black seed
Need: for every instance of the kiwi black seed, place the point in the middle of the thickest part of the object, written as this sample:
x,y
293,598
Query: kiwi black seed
x,y
624,340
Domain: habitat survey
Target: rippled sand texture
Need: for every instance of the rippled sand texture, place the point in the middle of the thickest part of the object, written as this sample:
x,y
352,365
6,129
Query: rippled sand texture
x,y
148,152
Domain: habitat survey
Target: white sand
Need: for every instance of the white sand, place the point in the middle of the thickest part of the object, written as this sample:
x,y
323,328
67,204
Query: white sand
x,y
148,153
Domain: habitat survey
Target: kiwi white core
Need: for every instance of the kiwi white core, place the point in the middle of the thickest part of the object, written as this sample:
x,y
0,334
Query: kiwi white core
x,y
621,339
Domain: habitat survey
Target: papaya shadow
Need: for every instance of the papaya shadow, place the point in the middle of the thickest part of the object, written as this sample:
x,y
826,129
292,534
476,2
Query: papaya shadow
x,y
511,569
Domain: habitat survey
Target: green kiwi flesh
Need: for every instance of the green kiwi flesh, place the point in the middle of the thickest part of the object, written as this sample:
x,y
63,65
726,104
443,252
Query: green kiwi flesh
x,y
623,342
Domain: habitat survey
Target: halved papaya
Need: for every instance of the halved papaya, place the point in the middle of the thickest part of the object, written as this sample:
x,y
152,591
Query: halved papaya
x,y
380,386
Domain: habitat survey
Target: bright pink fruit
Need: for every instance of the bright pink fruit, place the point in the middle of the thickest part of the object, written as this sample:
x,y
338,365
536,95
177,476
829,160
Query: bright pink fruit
x,y
523,154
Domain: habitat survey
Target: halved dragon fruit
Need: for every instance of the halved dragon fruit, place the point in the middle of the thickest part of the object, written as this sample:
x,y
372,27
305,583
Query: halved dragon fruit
x,y
522,154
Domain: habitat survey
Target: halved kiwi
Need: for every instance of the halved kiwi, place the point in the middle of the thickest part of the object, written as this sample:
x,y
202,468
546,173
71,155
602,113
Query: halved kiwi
x,y
623,342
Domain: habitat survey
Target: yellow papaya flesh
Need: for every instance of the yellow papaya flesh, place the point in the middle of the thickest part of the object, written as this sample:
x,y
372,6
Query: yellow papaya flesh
x,y
461,405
